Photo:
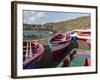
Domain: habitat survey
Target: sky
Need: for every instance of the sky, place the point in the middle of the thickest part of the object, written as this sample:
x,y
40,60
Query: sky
x,y
42,17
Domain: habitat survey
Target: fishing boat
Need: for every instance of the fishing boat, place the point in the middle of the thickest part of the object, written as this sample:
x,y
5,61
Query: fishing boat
x,y
73,35
32,53
58,44
84,35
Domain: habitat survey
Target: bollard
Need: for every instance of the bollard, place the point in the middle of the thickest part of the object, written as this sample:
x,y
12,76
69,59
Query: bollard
x,y
66,61
86,62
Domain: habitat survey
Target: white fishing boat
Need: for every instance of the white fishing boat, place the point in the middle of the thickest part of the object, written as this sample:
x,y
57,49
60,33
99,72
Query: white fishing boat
x,y
58,44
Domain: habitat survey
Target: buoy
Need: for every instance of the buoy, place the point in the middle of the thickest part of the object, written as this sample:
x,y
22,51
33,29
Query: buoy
x,y
86,62
66,61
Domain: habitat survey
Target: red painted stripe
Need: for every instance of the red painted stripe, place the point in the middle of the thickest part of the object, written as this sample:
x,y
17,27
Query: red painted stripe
x,y
82,52
59,43
82,39
88,33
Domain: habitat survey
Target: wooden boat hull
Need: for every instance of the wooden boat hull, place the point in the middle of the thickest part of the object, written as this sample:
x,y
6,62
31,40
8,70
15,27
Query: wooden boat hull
x,y
30,62
58,47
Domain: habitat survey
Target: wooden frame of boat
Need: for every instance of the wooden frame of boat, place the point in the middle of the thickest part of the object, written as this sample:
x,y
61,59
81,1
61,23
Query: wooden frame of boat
x,y
29,55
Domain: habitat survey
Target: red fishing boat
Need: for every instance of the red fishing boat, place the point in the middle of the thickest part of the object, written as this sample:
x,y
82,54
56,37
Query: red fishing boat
x,y
58,44
32,53
84,35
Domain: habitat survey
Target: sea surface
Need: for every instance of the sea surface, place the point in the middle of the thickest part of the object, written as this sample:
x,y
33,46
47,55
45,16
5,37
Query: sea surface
x,y
37,33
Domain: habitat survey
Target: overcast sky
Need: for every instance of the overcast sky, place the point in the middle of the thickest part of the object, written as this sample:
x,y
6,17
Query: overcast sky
x,y
41,17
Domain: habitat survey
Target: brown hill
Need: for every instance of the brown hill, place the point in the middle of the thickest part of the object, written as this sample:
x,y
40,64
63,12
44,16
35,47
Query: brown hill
x,y
78,23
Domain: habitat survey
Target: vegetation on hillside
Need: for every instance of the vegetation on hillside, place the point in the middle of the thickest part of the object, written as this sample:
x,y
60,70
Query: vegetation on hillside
x,y
63,26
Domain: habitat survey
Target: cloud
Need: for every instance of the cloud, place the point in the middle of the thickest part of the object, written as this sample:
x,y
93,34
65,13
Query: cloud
x,y
31,17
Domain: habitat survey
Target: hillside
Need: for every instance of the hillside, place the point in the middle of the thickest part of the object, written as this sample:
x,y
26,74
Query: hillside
x,y
78,23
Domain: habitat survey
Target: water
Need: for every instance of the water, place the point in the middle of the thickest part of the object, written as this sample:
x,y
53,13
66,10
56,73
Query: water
x,y
37,33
